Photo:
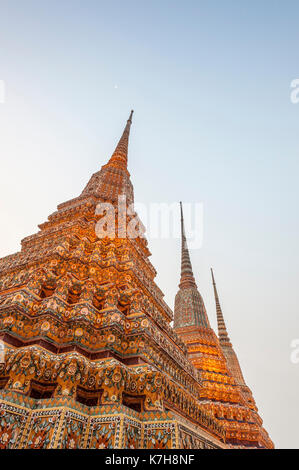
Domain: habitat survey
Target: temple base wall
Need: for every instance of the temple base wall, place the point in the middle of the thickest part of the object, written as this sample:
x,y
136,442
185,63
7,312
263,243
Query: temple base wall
x,y
65,424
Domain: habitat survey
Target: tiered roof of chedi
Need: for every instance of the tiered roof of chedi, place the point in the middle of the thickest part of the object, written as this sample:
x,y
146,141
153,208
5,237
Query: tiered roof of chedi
x,y
91,359
224,391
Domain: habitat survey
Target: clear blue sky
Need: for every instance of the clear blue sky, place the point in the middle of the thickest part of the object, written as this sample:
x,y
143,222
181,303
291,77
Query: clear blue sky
x,y
210,85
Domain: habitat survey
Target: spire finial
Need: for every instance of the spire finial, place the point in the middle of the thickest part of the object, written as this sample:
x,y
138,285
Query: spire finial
x,y
131,115
222,332
120,154
226,346
182,221
189,307
187,278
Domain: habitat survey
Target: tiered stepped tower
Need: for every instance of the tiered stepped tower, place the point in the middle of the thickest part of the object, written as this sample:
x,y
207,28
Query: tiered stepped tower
x,y
91,360
223,392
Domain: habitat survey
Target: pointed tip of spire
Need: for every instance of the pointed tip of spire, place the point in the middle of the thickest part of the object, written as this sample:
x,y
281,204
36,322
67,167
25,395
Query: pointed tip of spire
x,y
187,278
120,154
222,332
131,115
182,223
214,283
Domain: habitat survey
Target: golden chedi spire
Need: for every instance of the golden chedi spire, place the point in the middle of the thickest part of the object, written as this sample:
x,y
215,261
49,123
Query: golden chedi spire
x,y
226,346
224,391
222,332
120,154
234,367
113,180
189,307
187,278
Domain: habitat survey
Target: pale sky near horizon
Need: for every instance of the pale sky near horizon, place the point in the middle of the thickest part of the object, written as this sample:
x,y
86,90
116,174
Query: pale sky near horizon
x,y
213,123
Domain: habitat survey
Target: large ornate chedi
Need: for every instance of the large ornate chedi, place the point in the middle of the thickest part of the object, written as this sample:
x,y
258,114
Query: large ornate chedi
x,y
91,359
